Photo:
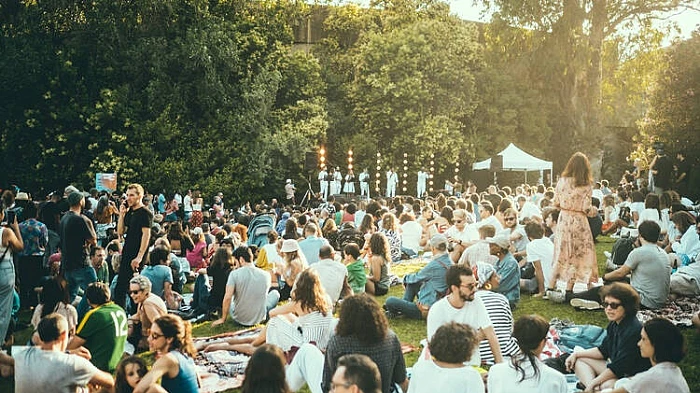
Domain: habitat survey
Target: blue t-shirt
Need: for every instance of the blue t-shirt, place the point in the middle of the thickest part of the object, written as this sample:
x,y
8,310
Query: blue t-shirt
x,y
158,275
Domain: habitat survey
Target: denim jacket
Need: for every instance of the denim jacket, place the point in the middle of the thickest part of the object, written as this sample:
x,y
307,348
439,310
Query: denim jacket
x,y
432,280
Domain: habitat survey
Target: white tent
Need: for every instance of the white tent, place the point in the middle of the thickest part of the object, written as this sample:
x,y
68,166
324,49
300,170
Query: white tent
x,y
514,159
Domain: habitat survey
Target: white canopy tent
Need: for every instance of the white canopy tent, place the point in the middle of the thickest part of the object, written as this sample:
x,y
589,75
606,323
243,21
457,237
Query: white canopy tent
x,y
515,159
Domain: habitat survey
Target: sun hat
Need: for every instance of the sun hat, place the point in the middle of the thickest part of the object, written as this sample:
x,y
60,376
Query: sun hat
x,y
501,240
290,245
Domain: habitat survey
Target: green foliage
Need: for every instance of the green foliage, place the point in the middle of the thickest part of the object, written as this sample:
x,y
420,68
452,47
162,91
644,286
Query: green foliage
x,y
674,112
170,94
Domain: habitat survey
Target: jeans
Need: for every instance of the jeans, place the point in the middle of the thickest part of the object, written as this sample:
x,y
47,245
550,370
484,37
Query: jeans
x,y
405,306
409,252
80,278
7,286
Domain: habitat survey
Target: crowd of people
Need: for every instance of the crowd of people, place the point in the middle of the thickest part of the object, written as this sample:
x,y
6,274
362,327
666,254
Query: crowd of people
x,y
105,275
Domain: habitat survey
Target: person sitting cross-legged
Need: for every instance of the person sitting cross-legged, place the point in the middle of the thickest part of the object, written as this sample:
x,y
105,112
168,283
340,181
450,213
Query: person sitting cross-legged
x,y
428,284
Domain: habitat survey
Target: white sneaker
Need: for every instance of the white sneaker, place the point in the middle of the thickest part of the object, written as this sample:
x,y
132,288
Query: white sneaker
x,y
607,254
585,304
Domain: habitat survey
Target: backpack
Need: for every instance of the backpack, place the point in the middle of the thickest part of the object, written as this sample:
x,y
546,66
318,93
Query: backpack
x,y
621,249
625,214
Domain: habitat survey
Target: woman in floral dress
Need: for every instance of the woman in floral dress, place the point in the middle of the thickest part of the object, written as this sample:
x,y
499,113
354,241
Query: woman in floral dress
x,y
574,251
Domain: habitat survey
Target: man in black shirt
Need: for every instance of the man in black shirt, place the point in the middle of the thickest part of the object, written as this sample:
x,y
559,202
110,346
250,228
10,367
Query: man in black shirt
x,y
662,170
135,221
77,234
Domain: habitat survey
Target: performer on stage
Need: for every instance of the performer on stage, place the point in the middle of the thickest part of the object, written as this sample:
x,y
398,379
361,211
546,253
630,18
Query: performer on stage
x,y
337,181
349,187
323,181
392,179
422,181
289,190
364,183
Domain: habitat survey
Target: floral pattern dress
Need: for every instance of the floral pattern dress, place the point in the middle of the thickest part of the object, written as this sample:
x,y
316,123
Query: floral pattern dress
x,y
574,251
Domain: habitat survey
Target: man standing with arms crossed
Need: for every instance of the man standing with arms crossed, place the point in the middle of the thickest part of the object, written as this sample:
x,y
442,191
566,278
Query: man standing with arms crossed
x,y
135,222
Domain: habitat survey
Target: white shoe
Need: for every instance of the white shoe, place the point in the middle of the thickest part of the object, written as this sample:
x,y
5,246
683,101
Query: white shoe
x,y
607,254
585,304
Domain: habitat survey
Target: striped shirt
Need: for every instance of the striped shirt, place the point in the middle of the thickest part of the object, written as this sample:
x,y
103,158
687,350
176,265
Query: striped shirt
x,y
502,319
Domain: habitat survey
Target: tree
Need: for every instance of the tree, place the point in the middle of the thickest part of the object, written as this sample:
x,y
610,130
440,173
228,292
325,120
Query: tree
x,y
572,37
674,103
171,94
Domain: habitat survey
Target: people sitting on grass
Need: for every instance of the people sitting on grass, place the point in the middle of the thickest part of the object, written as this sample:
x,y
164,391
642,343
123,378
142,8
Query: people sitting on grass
x,y
649,269
357,278
364,329
451,347
428,285
498,310
333,274
103,330
618,356
664,345
49,366
149,308
171,339
525,373
507,268
540,251
462,306
247,298
379,262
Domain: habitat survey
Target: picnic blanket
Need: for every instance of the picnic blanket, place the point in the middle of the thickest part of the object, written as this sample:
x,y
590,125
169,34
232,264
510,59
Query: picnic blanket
x,y
679,311
221,370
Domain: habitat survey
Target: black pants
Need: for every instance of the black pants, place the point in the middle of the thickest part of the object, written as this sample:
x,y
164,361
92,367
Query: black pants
x,y
31,271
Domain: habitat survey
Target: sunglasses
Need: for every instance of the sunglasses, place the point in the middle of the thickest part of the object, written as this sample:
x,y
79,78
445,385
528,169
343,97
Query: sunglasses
x,y
155,336
134,292
510,218
458,221
614,306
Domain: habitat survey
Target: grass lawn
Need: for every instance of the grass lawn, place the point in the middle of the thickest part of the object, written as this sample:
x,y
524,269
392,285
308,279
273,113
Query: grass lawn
x,y
412,332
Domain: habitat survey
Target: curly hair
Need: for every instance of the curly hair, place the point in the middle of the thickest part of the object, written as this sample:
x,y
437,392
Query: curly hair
x,y
180,331
379,245
453,343
361,317
310,293
626,294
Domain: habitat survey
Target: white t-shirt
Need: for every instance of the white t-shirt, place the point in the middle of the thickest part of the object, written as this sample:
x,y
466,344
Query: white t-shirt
x,y
469,234
649,215
36,370
411,232
429,377
490,220
332,274
503,378
664,377
529,209
473,314
542,250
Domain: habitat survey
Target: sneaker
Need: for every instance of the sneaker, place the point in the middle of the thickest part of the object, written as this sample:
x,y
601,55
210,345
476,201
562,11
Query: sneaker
x,y
610,266
607,254
585,304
